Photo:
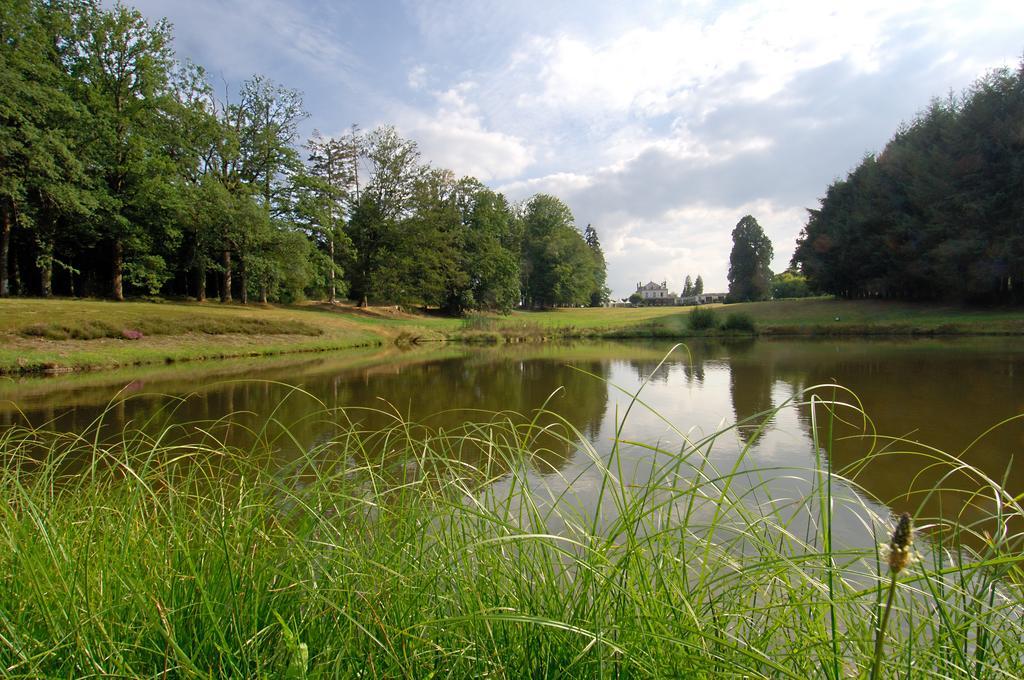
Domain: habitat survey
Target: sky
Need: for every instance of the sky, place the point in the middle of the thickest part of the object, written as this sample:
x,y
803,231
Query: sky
x,y
660,123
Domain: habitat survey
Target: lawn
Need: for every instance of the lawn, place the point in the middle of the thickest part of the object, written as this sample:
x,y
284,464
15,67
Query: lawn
x,y
61,334
78,334
813,316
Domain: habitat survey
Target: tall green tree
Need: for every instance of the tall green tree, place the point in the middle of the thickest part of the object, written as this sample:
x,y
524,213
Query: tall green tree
x,y
688,287
935,215
326,190
491,250
123,75
698,285
269,116
378,215
194,133
557,265
42,179
749,273
599,294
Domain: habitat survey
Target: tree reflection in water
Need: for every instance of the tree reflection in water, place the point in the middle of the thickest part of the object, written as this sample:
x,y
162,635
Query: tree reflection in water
x,y
940,393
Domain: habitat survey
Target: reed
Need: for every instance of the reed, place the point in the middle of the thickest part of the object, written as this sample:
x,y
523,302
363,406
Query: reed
x,y
407,551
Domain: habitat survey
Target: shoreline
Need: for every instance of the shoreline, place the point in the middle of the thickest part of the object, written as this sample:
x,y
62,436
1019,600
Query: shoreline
x,y
317,328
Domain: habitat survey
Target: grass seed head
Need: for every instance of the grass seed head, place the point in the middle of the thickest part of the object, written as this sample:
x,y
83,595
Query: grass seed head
x,y
898,550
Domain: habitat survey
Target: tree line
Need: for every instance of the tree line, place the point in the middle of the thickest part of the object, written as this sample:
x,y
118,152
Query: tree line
x,y
938,214
123,172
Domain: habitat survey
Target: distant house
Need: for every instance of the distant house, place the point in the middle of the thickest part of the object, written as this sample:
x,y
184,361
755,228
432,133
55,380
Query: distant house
x,y
656,293
702,299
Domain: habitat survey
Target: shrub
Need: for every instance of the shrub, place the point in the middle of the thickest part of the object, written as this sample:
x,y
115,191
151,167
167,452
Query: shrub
x,y
738,321
702,319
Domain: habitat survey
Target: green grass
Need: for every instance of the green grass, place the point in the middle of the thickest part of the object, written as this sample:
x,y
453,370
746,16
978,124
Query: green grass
x,y
410,552
142,326
57,335
812,316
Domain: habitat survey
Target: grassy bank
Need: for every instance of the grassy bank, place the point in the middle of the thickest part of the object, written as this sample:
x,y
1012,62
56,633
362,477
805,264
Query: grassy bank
x,y
407,552
805,317
57,335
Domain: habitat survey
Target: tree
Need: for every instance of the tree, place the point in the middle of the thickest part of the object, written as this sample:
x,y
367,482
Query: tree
x,y
688,287
491,250
194,134
122,72
636,298
426,255
749,273
41,175
269,115
698,286
557,265
600,293
325,191
935,215
789,284
121,170
376,222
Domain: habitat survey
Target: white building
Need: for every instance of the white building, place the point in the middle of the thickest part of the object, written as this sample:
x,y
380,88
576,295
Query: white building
x,y
655,293
703,299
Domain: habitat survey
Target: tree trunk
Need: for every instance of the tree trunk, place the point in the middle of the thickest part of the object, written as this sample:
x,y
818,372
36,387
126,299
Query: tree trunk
x,y
263,294
330,249
225,291
118,271
15,278
243,287
5,248
46,277
201,284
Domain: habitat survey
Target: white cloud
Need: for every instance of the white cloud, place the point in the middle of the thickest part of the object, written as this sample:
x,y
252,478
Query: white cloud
x,y
240,38
661,123
692,240
455,137
417,78
558,184
694,64
646,240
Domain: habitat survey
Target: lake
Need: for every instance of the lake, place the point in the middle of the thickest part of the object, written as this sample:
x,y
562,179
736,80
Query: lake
x,y
940,393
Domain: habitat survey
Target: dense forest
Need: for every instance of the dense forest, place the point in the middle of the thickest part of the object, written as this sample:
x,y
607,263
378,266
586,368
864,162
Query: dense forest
x,y
939,214
122,173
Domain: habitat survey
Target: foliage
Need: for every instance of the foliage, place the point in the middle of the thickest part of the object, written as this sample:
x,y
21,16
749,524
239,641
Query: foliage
x,y
559,267
702,319
636,299
739,322
789,284
599,294
121,173
749,276
936,215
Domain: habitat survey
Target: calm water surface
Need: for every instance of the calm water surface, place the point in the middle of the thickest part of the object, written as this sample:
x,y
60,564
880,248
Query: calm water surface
x,y
929,393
